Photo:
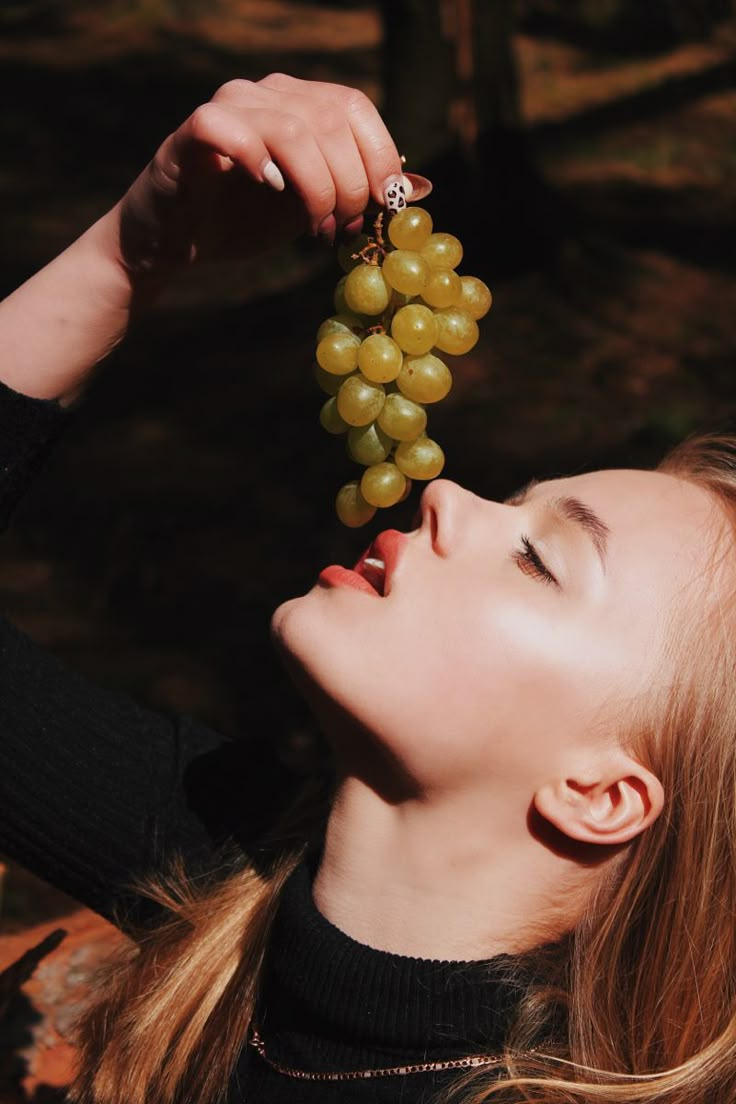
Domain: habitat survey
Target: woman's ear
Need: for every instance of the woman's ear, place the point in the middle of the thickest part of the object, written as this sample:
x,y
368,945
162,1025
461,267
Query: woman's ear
x,y
609,805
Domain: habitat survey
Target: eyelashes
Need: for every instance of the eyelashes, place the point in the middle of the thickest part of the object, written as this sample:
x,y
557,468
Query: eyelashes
x,y
531,563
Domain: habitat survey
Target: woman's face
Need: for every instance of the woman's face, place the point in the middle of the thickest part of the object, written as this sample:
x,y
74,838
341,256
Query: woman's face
x,y
513,634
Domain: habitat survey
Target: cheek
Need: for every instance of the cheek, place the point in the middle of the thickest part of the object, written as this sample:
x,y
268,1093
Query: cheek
x,y
454,685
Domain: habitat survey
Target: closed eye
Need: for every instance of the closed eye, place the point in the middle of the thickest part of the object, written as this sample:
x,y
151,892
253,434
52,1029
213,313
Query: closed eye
x,y
531,563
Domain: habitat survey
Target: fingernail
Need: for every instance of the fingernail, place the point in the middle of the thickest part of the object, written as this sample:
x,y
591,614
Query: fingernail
x,y
394,193
272,175
417,187
353,228
327,229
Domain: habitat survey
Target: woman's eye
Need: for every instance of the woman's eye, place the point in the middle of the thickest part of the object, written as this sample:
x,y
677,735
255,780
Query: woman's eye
x,y
531,563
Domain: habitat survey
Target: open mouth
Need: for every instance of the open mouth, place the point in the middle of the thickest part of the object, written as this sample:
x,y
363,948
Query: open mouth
x,y
378,563
374,570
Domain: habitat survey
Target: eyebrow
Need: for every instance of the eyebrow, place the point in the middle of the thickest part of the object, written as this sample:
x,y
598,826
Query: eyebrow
x,y
571,509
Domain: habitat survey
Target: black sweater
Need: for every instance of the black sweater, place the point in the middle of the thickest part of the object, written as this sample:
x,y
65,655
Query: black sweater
x,y
95,790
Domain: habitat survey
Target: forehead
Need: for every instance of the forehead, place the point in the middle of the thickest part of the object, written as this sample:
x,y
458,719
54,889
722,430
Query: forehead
x,y
663,528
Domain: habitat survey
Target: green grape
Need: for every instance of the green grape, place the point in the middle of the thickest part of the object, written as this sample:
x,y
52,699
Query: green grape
x,y
340,323
330,418
327,381
380,358
338,353
407,491
359,400
414,329
420,459
352,508
406,271
410,228
347,253
443,288
338,299
366,291
401,418
442,251
475,298
369,444
425,379
457,332
382,484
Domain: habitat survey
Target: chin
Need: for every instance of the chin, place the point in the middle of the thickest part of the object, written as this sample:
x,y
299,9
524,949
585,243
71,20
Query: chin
x,y
293,634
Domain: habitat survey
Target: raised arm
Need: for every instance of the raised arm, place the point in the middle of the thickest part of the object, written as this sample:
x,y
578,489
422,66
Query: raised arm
x,y
261,162
94,790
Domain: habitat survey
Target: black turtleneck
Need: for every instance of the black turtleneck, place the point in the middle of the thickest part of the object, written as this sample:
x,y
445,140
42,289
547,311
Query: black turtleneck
x,y
330,1003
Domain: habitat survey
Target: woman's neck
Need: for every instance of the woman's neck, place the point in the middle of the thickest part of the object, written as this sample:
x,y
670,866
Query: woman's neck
x,y
440,879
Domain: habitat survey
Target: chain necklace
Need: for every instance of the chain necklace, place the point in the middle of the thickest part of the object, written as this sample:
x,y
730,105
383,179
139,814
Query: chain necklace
x,y
471,1062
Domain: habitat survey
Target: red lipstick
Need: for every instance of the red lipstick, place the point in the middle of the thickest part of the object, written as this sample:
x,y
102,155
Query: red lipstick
x,y
334,575
374,571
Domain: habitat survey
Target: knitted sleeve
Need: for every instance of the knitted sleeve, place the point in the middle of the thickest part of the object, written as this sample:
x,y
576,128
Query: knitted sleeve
x,y
94,790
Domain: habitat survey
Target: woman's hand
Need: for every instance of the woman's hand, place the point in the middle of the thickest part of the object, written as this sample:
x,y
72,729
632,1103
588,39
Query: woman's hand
x,y
259,164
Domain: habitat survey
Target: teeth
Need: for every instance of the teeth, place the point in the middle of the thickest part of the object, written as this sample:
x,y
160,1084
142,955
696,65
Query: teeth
x,y
374,571
373,562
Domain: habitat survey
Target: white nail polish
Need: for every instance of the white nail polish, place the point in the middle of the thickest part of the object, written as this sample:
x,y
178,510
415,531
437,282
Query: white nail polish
x,y
272,175
394,196
408,187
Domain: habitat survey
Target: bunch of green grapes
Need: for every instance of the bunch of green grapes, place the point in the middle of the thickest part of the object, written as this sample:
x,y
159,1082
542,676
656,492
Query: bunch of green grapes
x,y
399,307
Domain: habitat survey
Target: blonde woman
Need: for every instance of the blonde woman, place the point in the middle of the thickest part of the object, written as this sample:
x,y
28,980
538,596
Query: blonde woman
x,y
525,888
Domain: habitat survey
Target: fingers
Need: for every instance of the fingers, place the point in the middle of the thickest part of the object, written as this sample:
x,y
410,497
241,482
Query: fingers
x,y
216,128
328,142
375,146
268,145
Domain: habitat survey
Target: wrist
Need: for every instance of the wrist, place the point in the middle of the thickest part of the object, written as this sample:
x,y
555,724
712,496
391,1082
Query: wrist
x,y
132,285
62,322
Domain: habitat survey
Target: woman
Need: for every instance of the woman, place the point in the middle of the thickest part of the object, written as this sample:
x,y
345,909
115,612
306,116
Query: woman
x,y
526,884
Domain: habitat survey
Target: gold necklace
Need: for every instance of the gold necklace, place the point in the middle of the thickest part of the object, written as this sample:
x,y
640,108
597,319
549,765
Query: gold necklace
x,y
472,1061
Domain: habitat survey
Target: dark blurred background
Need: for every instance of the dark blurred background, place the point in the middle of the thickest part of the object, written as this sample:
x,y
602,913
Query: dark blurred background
x,y
583,150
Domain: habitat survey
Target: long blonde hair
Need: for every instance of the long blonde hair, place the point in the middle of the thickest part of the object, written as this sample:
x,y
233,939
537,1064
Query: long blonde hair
x,y
647,978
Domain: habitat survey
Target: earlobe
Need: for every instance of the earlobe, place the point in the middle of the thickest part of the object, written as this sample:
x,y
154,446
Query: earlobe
x,y
612,809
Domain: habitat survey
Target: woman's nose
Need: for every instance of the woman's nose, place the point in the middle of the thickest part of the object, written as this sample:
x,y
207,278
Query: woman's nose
x,y
446,508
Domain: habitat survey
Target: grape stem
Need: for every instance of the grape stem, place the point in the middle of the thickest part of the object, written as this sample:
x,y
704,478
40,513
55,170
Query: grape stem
x,y
375,250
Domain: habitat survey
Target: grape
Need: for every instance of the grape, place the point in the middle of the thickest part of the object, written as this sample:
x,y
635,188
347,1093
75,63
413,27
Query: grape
x,y
352,508
327,381
369,444
457,332
366,291
338,353
382,484
443,288
347,253
420,459
406,271
425,379
442,251
340,323
338,299
359,400
407,491
476,297
414,329
330,418
379,358
403,419
410,228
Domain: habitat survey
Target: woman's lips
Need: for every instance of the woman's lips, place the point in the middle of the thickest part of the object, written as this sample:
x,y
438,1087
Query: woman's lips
x,y
341,576
367,575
